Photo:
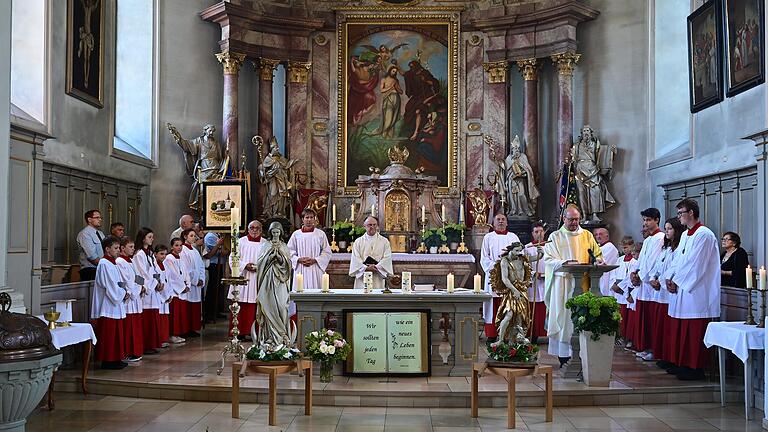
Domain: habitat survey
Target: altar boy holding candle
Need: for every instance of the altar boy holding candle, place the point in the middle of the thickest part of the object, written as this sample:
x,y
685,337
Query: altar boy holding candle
x,y
108,307
134,329
249,249
494,243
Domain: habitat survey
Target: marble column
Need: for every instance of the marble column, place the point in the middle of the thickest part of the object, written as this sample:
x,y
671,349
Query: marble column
x,y
298,114
495,112
565,63
266,72
231,61
530,70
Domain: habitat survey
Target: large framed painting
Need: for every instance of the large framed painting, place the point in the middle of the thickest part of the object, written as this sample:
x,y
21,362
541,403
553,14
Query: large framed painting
x,y
220,198
705,61
85,50
745,46
397,87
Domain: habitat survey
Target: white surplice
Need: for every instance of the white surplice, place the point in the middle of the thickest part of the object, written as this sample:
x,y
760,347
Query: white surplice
x,y
610,257
194,264
493,246
660,272
178,276
650,252
249,252
696,271
312,244
135,304
167,293
146,267
107,294
376,247
559,286
620,277
536,290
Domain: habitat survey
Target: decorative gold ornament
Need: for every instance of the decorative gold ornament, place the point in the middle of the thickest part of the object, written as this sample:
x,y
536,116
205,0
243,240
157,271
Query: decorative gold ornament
x,y
565,62
529,68
320,126
497,71
266,67
473,127
231,61
298,71
397,155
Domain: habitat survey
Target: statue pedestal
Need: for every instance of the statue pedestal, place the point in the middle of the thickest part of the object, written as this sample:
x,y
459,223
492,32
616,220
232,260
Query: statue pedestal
x,y
587,278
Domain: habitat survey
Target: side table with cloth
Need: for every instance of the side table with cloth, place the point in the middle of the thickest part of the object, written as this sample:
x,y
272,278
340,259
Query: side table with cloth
x,y
738,338
72,335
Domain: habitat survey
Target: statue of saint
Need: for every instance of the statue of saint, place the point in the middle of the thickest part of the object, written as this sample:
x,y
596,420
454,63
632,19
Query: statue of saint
x,y
592,167
275,172
510,279
521,188
273,269
204,159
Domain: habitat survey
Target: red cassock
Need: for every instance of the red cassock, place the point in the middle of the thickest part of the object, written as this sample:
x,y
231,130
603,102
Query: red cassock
x,y
134,335
179,317
659,330
537,326
151,325
245,318
624,320
164,328
195,315
692,352
638,326
111,341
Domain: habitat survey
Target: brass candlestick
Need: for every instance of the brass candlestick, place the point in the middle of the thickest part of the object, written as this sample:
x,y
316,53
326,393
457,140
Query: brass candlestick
x,y
234,347
462,247
422,247
750,317
334,246
762,309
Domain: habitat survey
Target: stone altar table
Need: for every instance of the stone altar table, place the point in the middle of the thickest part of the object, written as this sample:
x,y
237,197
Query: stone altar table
x,y
462,309
425,268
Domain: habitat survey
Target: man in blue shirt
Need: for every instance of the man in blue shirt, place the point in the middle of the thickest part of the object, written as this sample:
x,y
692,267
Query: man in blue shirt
x,y
215,295
89,245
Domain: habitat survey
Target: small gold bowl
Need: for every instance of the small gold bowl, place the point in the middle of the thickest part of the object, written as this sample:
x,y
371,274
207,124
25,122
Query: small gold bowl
x,y
51,317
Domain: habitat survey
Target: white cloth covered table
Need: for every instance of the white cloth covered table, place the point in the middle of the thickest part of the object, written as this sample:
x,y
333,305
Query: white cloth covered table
x,y
408,257
738,338
74,334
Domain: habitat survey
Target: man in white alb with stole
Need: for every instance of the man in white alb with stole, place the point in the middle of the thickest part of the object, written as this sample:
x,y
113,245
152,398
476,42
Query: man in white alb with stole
x,y
494,244
375,249
571,244
310,252
249,248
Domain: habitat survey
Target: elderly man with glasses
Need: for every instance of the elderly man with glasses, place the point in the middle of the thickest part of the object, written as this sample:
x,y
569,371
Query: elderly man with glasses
x,y
89,245
249,249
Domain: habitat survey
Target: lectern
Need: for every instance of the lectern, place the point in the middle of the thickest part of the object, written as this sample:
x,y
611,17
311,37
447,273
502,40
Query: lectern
x,y
587,277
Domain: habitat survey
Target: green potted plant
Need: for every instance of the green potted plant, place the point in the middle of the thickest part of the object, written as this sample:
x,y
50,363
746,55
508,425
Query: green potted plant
x,y
453,234
597,321
343,235
327,347
433,238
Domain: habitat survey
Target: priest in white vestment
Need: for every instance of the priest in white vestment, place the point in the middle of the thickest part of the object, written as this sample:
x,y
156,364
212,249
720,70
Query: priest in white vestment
x,y
249,248
310,252
610,257
374,245
571,244
494,244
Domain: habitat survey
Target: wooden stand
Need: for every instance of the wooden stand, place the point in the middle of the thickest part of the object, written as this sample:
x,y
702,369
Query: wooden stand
x,y
510,373
273,369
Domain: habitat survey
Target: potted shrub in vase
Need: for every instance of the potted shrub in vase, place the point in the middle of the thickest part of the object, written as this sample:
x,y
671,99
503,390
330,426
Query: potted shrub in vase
x,y
343,236
453,235
597,321
433,238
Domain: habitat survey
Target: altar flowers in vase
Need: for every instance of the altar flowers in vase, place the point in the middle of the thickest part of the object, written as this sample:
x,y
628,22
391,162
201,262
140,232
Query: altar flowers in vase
x,y
327,347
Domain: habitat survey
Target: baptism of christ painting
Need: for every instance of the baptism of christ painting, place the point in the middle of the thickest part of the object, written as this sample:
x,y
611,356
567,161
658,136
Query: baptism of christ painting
x,y
397,88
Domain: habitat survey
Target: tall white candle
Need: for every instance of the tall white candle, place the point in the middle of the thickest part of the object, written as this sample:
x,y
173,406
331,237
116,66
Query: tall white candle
x,y
461,213
299,282
478,283
326,283
373,209
235,217
749,276
333,213
761,285
442,212
450,282
423,214
352,212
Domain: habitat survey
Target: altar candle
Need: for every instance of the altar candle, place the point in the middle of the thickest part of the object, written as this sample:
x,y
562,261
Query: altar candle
x,y
423,214
373,210
234,213
352,212
442,212
478,283
461,213
333,213
749,276
761,285
326,282
406,281
299,282
450,283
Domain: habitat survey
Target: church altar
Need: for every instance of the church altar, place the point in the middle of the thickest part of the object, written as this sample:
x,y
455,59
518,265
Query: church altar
x,y
425,268
457,341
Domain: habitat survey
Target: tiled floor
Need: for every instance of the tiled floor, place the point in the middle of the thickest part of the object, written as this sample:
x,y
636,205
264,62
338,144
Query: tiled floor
x,y
75,412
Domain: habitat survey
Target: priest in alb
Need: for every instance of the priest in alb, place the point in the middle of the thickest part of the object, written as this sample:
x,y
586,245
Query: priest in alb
x,y
571,244
494,244
249,248
374,248
310,251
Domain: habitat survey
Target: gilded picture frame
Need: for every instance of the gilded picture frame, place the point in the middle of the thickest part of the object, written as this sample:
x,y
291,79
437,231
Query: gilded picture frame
x,y
705,56
219,197
85,51
397,85
744,38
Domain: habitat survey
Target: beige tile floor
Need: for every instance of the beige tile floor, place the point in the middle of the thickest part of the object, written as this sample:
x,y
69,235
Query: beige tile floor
x,y
75,412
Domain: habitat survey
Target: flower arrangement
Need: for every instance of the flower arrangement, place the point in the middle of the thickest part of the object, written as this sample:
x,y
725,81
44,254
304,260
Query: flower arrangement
x,y
347,231
327,347
434,237
267,353
453,232
599,315
512,352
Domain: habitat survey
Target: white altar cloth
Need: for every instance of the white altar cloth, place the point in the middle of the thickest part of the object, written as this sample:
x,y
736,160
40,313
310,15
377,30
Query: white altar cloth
x,y
407,257
74,334
736,337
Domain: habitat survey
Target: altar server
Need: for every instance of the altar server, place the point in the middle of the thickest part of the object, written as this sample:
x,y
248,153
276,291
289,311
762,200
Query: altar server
x,y
310,251
108,307
536,290
494,244
164,325
619,285
145,264
610,257
661,327
374,246
641,279
178,282
196,268
249,248
695,284
134,330
571,244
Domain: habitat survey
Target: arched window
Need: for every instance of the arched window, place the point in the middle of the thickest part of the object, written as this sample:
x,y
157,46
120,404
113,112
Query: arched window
x,y
29,33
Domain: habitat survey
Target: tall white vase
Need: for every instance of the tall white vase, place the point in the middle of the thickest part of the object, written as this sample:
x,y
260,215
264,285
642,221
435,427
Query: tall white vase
x,y
596,358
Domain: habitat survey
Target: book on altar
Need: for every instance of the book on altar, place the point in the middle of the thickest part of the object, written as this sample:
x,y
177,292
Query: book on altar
x,y
424,287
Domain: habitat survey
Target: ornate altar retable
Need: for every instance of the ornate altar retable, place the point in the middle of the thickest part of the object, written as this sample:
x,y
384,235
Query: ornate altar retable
x,y
425,268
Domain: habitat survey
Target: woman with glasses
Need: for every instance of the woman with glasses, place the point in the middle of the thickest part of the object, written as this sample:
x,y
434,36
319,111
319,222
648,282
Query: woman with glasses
x,y
733,261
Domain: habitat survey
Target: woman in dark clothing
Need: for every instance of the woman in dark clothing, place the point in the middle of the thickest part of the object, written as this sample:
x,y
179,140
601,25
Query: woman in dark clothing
x,y
734,261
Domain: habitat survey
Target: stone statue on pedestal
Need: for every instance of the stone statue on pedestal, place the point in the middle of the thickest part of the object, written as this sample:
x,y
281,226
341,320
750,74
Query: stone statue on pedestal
x,y
592,166
275,172
204,159
521,188
510,279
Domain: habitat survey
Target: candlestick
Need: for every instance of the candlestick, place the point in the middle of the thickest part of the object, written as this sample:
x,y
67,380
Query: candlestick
x,y
462,246
333,213
450,282
750,316
749,276
478,283
326,283
762,309
422,247
299,282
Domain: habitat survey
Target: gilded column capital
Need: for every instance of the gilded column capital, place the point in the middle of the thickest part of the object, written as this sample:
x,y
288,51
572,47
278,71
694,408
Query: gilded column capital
x,y
267,67
231,61
529,68
298,71
497,71
565,62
